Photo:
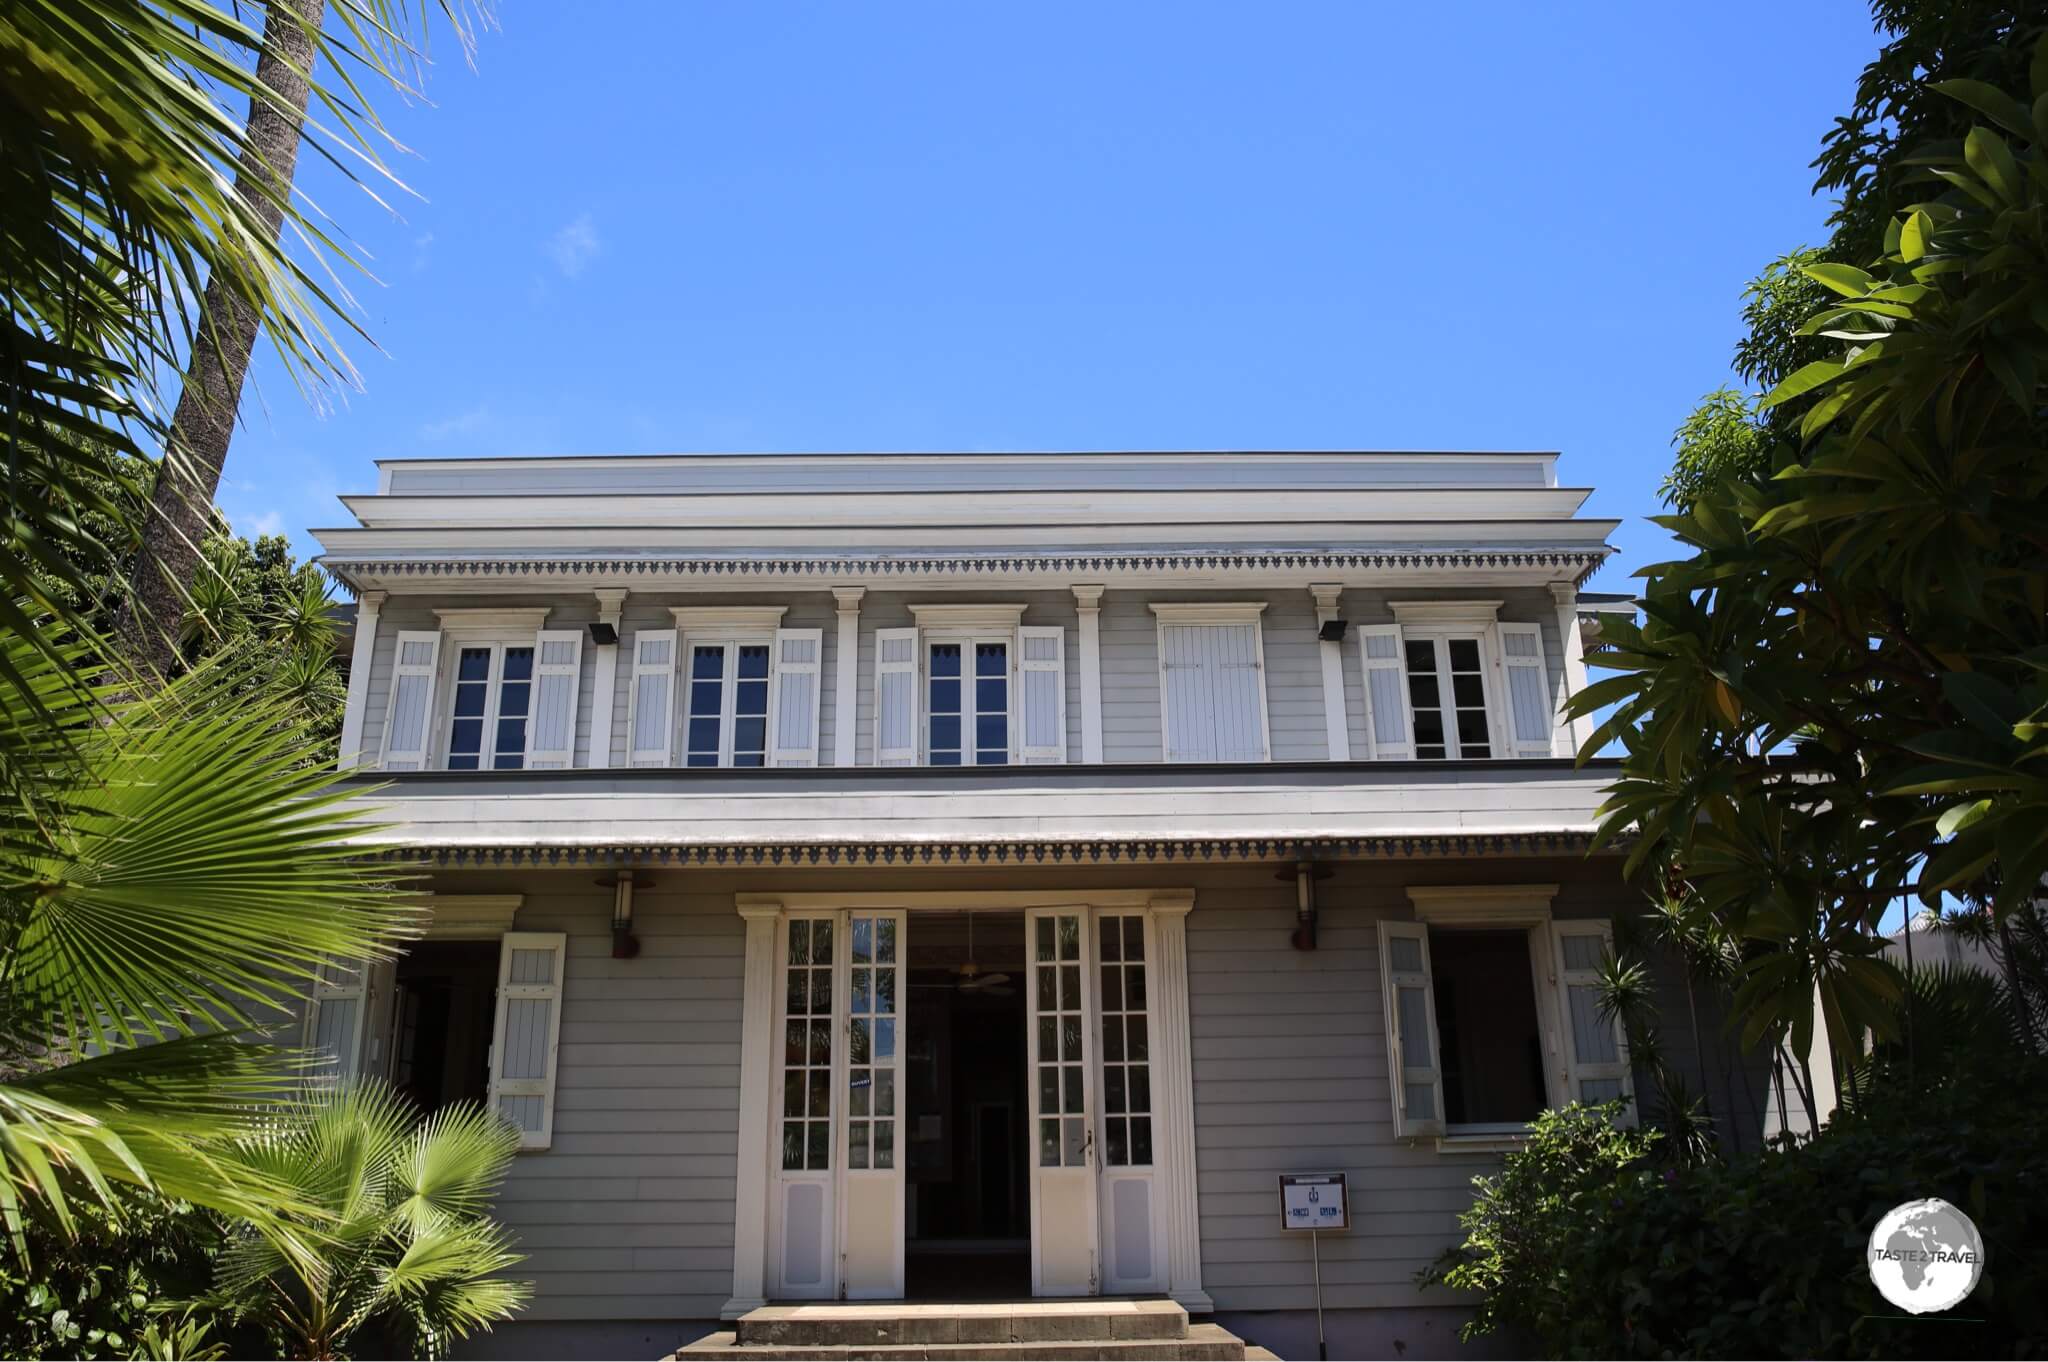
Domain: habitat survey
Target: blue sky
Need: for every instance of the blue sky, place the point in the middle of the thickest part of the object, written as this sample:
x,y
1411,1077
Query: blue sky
x,y
1052,226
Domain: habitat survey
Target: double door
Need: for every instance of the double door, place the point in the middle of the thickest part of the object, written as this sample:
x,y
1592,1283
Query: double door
x,y
837,1207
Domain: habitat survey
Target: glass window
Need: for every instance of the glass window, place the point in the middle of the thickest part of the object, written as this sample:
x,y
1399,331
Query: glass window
x,y
967,717
1126,1070
727,719
1447,692
488,711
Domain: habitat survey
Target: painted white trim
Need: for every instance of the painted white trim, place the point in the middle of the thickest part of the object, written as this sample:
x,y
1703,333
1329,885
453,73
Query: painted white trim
x,y
982,617
780,668
561,757
1573,1069
846,676
1538,668
910,754
348,1058
361,655
416,757
1482,905
1444,614
1571,734
1399,1073
956,901
1173,1101
1336,724
1088,605
611,603
730,639
1403,750
492,624
743,618
758,1071
1207,612
664,754
468,917
1022,669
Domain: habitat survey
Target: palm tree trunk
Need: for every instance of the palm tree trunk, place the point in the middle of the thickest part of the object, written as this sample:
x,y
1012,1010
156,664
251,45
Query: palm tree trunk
x,y
205,419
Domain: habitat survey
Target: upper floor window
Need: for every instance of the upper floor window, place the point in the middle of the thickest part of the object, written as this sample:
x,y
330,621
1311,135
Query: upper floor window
x,y
1212,681
970,685
490,690
749,690
1450,682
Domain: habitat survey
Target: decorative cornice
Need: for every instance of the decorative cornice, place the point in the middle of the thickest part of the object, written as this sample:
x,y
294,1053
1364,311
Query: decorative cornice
x,y
864,854
1581,562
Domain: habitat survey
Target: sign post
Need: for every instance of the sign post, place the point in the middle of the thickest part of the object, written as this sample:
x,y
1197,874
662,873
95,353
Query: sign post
x,y
1312,1203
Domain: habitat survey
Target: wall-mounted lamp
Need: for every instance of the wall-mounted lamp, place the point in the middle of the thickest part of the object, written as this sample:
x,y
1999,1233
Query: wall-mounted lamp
x,y
625,945
603,634
1305,874
1333,631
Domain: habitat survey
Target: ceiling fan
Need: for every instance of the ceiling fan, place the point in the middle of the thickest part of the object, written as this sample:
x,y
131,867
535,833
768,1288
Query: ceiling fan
x,y
972,980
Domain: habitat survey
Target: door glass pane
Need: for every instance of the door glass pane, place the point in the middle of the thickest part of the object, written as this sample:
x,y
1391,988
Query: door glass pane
x,y
1126,1077
807,1047
1468,693
515,697
991,704
472,690
1426,700
871,1046
1062,1074
943,697
707,704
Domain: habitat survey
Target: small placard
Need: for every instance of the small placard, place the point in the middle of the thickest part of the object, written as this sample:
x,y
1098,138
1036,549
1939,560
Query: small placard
x,y
1313,1201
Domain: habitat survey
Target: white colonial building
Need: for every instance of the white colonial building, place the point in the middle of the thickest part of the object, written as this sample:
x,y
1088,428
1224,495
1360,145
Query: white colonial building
x,y
869,877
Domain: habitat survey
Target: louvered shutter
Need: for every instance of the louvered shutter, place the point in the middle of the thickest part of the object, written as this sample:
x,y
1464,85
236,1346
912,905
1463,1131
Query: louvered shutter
x,y
1417,1079
1237,691
1596,1051
795,725
1532,718
1388,723
557,671
334,1018
1190,729
407,719
526,1033
896,697
650,721
1042,694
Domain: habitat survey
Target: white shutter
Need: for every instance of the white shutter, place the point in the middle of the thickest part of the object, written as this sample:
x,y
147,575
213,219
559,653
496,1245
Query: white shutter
x,y
1042,694
406,721
1532,718
650,710
798,653
334,1018
526,1033
1417,1079
1238,692
1190,731
1596,1052
557,670
1388,722
896,704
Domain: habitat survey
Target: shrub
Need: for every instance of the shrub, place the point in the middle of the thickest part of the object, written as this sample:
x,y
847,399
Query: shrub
x,y
96,1293
1592,1246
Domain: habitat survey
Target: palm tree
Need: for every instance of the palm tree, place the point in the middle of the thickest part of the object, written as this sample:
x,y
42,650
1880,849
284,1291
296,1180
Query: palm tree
x,y
172,869
406,1251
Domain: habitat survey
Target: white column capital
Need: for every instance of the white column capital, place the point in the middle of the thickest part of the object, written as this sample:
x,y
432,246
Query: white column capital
x,y
1088,597
610,601
849,597
1326,594
1564,593
758,907
372,601
846,675
1176,904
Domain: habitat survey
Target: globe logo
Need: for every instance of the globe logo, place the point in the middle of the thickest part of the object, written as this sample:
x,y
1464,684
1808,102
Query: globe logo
x,y
1926,1256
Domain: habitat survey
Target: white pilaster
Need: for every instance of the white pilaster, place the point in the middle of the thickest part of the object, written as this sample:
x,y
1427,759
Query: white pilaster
x,y
1174,1097
1570,735
757,1023
610,603
367,607
846,675
1088,600
1336,729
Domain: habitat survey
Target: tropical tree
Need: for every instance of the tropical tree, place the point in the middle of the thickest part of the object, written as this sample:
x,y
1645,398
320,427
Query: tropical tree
x,y
408,1256
1841,697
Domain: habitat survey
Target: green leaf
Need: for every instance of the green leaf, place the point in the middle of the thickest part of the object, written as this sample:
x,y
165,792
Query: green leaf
x,y
1914,234
1996,105
1803,381
1846,280
1986,153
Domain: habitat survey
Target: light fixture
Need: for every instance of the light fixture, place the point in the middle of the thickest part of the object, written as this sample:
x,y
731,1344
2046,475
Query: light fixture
x,y
1305,874
603,634
1333,631
625,945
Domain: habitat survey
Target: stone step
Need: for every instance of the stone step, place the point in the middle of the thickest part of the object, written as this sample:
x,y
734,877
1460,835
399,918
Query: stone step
x,y
1202,1343
833,1324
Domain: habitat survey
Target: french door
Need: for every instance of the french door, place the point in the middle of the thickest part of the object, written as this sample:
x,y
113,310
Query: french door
x,y
1064,1258
836,1221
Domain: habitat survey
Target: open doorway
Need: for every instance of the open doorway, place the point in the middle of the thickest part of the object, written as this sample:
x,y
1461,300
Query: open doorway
x,y
444,1008
967,1211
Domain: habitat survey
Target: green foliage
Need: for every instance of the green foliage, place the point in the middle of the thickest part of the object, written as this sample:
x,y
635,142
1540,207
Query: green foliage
x,y
1592,1245
1720,438
1842,695
408,1258
97,1295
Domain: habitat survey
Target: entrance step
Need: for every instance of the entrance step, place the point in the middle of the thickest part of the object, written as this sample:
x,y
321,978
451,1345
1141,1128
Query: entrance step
x,y
1132,1329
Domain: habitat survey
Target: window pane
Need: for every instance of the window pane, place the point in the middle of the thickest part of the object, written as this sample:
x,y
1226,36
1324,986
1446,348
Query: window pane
x,y
1468,690
749,737
799,942
753,662
1141,1140
1464,654
1134,988
885,1039
1113,1088
465,740
751,697
1422,692
704,741
821,943
856,1144
1421,655
474,665
1112,1039
1138,1047
885,1092
862,943
1141,1088
1119,1142
1049,1142
945,660
1111,929
793,1047
885,1144
469,699
1072,1084
1048,1087
1405,952
707,663
992,731
1112,989
820,1144
991,659
991,695
820,1084
793,1092
511,747
793,1144
1074,1140
1043,933
1472,741
945,733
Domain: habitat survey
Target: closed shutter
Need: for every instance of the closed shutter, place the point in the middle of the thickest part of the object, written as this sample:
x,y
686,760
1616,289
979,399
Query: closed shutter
x,y
1532,718
1215,707
650,723
1417,1082
557,670
896,697
1042,694
1596,1051
334,1018
526,1033
412,699
795,725
1388,722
